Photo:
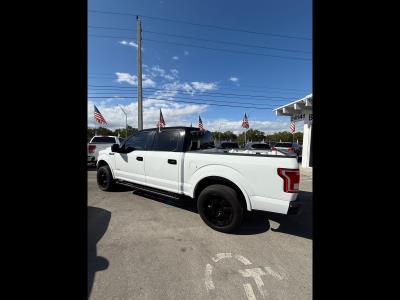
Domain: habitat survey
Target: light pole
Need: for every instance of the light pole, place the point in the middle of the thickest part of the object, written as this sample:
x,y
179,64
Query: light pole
x,y
126,121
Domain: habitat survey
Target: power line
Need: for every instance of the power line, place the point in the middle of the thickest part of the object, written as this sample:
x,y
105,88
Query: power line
x,y
210,93
208,48
104,75
206,40
205,25
191,102
183,98
179,97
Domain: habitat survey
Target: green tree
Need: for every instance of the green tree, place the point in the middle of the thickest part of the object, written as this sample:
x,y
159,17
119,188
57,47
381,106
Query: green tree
x,y
253,135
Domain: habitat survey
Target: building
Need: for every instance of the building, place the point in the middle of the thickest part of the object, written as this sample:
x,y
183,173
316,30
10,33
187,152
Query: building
x,y
301,111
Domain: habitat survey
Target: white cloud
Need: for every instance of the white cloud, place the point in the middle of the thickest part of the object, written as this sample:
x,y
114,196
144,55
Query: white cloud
x,y
175,57
174,72
204,86
175,114
235,125
132,79
234,79
186,53
130,43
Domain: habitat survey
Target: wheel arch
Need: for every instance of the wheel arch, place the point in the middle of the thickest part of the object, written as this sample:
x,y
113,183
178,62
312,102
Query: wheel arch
x,y
210,180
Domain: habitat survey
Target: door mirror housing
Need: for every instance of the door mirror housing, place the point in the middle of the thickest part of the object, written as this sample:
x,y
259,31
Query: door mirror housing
x,y
115,148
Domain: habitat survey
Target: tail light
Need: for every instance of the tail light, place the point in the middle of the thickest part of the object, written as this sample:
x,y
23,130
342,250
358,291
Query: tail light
x,y
291,150
291,179
92,148
273,148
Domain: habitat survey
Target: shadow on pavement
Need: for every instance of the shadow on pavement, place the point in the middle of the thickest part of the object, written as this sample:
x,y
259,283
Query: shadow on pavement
x,y
98,220
255,222
299,225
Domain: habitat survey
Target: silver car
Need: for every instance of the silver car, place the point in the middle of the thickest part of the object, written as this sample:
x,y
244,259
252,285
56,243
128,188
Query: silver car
x,y
289,147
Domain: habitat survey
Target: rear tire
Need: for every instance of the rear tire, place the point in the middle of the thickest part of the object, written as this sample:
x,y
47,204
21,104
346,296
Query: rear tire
x,y
105,181
220,208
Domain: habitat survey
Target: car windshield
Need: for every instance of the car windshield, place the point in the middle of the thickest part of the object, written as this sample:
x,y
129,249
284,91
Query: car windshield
x,y
260,146
103,140
285,145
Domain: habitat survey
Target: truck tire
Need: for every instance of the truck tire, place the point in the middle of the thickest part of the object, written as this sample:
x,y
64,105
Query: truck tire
x,y
220,208
105,181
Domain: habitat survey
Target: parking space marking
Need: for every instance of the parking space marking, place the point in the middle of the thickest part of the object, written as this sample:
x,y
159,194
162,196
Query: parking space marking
x,y
254,273
220,256
243,259
208,281
249,291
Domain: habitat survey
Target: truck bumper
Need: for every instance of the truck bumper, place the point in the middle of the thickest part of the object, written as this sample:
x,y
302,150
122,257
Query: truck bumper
x,y
295,207
91,158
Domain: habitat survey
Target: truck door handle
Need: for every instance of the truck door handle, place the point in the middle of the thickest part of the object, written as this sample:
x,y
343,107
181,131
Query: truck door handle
x,y
172,161
139,158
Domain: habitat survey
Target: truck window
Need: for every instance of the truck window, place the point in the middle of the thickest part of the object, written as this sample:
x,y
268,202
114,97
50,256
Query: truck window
x,y
201,140
166,140
103,140
139,140
283,145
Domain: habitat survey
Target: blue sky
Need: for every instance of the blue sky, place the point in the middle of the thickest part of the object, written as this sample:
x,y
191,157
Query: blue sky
x,y
190,74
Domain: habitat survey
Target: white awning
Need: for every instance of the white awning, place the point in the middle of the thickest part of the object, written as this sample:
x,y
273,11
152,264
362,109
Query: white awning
x,y
295,106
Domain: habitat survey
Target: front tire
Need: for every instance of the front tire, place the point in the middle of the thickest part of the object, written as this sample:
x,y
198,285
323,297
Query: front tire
x,y
220,208
105,181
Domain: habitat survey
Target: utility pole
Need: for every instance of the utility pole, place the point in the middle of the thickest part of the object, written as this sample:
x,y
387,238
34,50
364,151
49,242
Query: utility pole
x,y
139,76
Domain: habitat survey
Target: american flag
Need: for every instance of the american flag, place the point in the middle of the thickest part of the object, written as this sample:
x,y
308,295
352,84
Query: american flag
x,y
245,122
161,122
98,116
201,124
293,127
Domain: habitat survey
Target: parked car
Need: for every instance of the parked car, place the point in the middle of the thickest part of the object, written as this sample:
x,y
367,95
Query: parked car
x,y
98,143
181,162
226,146
289,147
258,146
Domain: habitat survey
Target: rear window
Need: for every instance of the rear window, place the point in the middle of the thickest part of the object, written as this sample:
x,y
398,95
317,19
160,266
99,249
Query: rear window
x,y
167,140
229,145
283,145
200,140
260,146
103,140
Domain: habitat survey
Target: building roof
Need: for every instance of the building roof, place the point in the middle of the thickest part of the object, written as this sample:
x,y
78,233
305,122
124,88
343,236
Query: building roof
x,y
295,106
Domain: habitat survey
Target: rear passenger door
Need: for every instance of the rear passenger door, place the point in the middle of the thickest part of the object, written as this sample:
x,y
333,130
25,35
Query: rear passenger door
x,y
164,160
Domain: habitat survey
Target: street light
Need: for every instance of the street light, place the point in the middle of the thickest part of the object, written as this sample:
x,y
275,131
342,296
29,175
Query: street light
x,y
126,121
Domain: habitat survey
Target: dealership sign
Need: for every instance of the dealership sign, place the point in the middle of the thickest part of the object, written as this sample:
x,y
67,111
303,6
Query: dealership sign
x,y
298,117
306,117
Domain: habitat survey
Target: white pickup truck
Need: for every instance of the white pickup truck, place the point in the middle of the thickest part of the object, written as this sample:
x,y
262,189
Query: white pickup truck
x,y
182,162
98,143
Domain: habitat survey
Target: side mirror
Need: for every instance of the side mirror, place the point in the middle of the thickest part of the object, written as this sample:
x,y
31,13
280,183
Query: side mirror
x,y
129,149
115,148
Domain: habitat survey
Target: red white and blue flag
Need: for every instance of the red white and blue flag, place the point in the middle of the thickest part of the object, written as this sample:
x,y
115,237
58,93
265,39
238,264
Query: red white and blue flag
x,y
293,127
201,124
245,122
161,122
98,116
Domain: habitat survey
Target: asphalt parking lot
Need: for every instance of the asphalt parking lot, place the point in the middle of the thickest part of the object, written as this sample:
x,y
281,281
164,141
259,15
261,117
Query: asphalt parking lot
x,y
146,247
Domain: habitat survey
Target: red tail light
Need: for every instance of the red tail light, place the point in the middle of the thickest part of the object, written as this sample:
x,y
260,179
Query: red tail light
x,y
273,148
291,150
92,148
291,179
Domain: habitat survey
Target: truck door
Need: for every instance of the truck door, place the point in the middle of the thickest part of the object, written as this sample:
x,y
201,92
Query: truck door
x,y
131,166
164,161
